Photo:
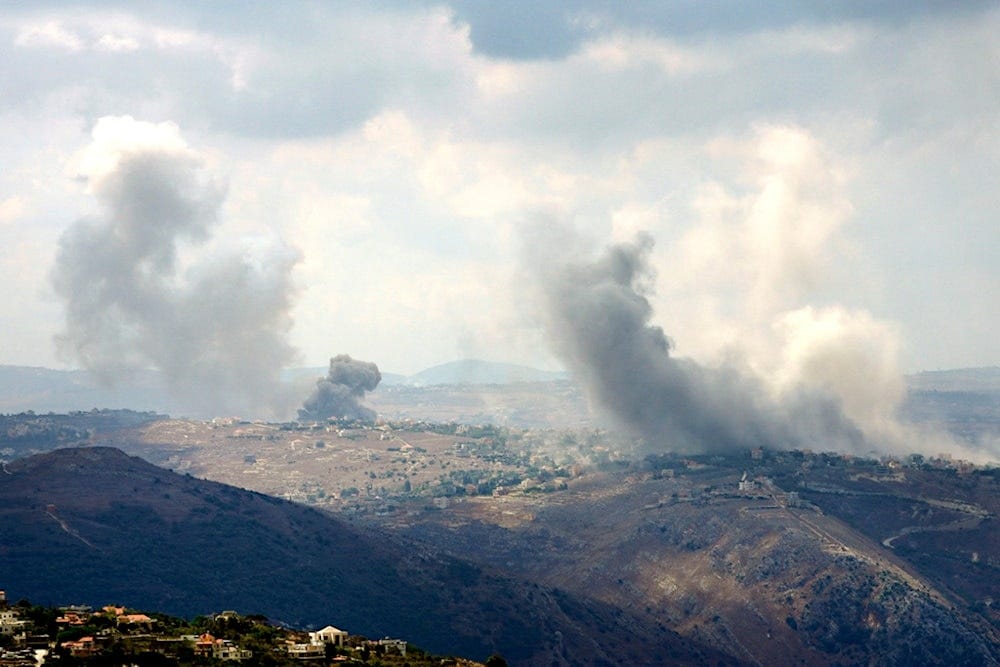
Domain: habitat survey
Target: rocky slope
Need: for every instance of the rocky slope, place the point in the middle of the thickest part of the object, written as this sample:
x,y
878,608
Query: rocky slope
x,y
767,583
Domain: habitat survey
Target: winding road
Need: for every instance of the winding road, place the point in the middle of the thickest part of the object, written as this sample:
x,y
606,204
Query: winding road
x,y
976,513
969,523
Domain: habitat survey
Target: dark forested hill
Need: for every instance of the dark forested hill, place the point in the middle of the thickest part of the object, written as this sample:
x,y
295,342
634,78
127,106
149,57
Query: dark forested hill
x,y
94,525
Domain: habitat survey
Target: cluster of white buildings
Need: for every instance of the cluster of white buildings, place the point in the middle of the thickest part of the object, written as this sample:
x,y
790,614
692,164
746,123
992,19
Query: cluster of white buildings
x,y
318,641
206,645
315,649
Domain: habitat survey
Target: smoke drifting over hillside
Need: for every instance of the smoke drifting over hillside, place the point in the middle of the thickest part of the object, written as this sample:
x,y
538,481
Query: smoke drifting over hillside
x,y
598,319
340,392
834,388
142,289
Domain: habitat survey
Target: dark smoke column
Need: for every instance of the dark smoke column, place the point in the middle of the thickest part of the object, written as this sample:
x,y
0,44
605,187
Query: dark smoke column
x,y
598,321
340,392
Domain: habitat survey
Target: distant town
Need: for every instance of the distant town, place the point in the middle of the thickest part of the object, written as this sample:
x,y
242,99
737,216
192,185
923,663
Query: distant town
x,y
33,635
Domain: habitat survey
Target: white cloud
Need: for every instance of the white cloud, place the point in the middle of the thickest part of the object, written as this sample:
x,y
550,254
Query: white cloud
x,y
115,137
831,39
763,241
11,209
116,43
623,51
49,34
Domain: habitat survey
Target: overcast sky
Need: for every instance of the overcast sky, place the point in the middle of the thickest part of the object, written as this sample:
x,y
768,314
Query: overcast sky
x,y
802,169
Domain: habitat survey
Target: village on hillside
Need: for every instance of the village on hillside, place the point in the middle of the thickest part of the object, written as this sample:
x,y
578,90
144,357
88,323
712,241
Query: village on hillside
x,y
77,635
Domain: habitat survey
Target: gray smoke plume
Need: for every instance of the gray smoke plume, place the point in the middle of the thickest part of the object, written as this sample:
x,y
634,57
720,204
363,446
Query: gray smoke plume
x,y
340,392
597,318
214,326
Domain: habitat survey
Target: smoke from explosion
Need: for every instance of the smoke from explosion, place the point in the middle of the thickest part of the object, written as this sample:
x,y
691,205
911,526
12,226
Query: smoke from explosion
x,y
340,392
749,259
141,291
597,317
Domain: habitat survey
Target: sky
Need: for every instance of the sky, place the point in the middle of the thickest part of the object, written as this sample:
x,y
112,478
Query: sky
x,y
286,182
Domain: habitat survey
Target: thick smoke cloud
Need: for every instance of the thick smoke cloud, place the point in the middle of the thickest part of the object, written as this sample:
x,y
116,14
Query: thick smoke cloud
x,y
597,317
141,291
340,392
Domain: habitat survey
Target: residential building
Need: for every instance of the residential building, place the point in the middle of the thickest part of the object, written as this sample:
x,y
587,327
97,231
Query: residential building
x,y
10,623
310,651
397,644
223,649
84,647
328,635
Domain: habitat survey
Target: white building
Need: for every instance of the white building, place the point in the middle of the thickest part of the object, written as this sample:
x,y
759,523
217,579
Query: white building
x,y
398,644
310,651
328,635
225,650
747,485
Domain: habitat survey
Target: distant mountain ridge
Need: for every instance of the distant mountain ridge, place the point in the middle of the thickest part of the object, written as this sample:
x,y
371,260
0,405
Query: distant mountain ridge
x,y
40,389
983,379
477,371
460,372
24,388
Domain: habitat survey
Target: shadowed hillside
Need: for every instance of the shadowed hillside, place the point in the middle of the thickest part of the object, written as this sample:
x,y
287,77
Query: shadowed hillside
x,y
94,525
755,571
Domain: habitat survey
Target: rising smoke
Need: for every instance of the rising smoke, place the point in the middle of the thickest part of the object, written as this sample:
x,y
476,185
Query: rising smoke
x,y
748,279
339,394
141,290
597,316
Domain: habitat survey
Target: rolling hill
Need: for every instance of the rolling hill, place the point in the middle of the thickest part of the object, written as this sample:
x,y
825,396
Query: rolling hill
x,y
93,525
761,574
